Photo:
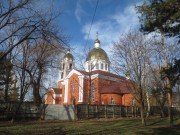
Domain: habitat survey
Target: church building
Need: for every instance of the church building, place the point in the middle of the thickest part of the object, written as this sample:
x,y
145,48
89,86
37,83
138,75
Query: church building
x,y
94,85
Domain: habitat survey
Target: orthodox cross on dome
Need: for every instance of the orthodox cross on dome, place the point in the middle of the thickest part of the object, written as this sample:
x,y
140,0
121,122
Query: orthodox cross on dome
x,y
97,41
68,50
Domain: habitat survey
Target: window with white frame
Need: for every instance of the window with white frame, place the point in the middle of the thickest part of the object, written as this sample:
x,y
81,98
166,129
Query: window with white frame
x,y
70,66
73,85
106,66
89,67
97,65
101,65
112,101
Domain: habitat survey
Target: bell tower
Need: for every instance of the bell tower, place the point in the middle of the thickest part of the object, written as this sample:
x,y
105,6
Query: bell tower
x,y
67,64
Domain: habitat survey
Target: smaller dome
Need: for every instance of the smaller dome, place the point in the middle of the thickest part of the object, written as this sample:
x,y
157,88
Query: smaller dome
x,y
68,55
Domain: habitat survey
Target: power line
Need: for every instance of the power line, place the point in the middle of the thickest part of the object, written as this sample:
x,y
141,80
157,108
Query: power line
x,y
92,21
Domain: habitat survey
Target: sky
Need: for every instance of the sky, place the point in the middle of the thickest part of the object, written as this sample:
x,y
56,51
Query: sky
x,y
112,19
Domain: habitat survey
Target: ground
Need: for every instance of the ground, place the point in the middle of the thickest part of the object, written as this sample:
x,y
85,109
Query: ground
x,y
119,126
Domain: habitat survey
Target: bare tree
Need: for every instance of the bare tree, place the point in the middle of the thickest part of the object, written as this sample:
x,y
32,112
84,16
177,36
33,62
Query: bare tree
x,y
34,40
132,54
157,87
44,57
37,60
24,24
21,21
20,63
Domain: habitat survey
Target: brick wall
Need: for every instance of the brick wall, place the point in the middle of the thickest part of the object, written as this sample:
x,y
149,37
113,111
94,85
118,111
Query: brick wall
x,y
73,96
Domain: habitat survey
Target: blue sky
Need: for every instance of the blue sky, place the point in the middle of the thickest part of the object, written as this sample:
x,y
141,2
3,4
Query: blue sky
x,y
112,19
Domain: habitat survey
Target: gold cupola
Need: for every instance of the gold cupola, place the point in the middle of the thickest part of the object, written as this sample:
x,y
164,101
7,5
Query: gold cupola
x,y
97,58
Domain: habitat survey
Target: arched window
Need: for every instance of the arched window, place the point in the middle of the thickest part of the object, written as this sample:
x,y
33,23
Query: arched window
x,y
70,66
73,91
73,86
112,101
106,66
62,75
89,67
97,66
101,65
93,92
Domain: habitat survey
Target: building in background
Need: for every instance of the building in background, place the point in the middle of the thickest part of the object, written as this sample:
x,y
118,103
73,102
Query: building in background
x,y
94,85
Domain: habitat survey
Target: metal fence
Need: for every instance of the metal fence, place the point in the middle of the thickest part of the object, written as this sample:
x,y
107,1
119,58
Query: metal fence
x,y
27,110
34,111
106,111
115,111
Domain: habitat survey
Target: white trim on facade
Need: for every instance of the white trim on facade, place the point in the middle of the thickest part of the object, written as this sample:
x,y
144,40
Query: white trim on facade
x,y
91,65
66,91
54,97
66,82
81,87
72,72
45,98
105,77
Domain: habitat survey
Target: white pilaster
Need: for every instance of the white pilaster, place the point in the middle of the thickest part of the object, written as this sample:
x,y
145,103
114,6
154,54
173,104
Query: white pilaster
x,y
45,98
66,91
81,86
54,98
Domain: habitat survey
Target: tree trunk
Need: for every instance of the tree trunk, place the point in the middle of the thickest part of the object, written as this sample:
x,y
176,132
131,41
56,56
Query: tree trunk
x,y
16,111
142,114
6,90
169,95
36,94
168,83
148,104
142,107
162,110
161,104
36,85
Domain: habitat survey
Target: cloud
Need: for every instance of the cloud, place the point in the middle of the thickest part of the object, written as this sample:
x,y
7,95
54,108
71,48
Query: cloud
x,y
112,27
79,11
127,19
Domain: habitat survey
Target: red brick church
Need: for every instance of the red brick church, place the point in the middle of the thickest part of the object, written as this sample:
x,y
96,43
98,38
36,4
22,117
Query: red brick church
x,y
94,85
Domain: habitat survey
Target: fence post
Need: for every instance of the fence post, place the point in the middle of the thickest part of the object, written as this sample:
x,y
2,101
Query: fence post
x,y
126,111
75,112
105,111
88,111
120,111
96,111
113,111
137,113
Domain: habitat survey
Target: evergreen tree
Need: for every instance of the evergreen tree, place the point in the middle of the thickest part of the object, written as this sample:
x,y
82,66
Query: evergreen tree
x,y
7,78
172,72
160,16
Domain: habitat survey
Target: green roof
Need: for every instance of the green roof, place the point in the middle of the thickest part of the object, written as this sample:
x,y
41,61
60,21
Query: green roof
x,y
69,56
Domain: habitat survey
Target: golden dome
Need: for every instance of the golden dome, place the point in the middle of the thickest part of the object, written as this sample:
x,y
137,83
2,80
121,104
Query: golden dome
x,y
97,54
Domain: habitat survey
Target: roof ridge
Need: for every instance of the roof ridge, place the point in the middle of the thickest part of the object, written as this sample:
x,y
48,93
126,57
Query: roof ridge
x,y
102,73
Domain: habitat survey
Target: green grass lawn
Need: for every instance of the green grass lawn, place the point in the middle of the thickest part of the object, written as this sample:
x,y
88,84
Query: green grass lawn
x,y
124,126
